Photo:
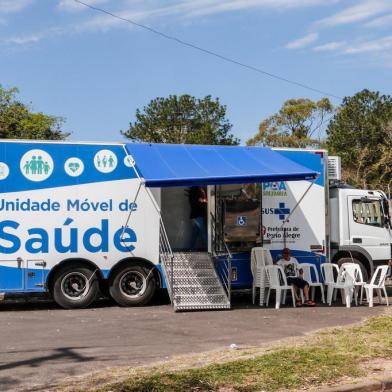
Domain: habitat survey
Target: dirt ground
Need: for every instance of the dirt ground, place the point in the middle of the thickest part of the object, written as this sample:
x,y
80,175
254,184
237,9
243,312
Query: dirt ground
x,y
41,344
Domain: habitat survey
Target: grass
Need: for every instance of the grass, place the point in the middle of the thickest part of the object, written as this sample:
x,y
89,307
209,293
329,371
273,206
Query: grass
x,y
327,357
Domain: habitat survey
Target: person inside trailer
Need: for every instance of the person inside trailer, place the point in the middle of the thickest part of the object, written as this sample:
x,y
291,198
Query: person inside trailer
x,y
294,275
198,203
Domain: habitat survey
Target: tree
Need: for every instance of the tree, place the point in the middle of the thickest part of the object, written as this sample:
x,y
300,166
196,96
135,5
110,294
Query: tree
x,y
17,121
295,125
360,134
182,119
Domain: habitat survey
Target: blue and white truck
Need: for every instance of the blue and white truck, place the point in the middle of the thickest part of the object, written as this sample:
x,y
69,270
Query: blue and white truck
x,y
80,218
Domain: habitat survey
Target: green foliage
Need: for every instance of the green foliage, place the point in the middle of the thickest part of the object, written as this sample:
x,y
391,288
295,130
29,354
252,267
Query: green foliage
x,y
361,134
182,119
17,121
327,358
296,124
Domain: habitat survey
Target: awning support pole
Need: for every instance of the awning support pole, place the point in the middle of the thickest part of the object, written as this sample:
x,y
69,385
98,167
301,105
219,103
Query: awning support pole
x,y
130,212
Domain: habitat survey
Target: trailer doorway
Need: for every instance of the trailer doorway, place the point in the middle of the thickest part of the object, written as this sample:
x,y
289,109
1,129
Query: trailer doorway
x,y
176,216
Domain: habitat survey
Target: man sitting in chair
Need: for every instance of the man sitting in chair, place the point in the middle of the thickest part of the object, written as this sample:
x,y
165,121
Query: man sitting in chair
x,y
294,275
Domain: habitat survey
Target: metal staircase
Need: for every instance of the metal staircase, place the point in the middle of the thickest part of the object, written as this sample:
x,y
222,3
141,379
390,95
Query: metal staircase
x,y
192,280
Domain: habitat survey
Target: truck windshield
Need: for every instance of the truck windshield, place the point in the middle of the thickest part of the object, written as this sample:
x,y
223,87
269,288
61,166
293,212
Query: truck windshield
x,y
368,212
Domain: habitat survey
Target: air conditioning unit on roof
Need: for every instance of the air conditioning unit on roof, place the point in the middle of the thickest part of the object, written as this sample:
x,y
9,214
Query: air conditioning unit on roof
x,y
334,168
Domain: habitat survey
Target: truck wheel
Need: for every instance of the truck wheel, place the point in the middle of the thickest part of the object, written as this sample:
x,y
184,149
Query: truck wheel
x,y
132,285
365,272
75,287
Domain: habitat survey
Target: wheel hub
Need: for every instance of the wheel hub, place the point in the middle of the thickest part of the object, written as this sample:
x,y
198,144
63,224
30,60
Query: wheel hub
x,y
133,284
75,286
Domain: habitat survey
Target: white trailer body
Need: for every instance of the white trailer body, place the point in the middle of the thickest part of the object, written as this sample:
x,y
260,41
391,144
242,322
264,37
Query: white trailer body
x,y
62,203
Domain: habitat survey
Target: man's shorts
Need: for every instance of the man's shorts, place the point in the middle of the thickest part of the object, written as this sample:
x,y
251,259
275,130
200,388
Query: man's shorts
x,y
297,282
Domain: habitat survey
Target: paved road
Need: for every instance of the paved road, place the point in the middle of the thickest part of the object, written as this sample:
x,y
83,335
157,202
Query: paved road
x,y
41,344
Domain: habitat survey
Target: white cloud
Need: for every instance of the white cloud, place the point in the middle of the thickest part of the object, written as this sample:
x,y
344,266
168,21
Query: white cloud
x,y
377,45
303,41
9,6
141,10
382,21
330,46
208,7
32,38
24,39
364,10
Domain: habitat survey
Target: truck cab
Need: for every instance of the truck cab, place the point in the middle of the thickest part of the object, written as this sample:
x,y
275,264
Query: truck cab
x,y
360,227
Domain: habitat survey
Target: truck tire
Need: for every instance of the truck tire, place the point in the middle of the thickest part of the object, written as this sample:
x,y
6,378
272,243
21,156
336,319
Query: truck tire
x,y
132,285
365,272
75,287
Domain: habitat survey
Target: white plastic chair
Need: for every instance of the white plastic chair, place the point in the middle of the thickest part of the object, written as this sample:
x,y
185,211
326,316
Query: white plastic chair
x,y
277,281
260,257
344,283
377,283
328,271
355,271
313,283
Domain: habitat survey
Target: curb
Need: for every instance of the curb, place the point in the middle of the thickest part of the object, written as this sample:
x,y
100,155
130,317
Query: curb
x,y
381,384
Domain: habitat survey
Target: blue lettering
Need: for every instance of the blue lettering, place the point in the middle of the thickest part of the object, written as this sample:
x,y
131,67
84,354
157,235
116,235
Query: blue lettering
x,y
72,204
65,238
42,241
15,241
102,233
122,238
73,238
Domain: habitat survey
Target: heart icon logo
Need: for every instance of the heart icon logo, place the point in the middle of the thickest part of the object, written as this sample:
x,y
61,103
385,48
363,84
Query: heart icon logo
x,y
74,166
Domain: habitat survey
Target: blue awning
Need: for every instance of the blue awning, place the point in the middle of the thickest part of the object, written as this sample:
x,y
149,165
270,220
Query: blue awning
x,y
163,165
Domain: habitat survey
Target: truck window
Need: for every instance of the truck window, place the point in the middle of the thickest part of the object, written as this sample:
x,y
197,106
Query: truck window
x,y
368,212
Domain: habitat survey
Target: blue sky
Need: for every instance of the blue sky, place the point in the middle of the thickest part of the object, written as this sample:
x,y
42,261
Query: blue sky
x,y
96,71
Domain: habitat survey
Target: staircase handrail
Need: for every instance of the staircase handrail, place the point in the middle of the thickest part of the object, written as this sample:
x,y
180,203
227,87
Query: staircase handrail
x,y
166,253
226,273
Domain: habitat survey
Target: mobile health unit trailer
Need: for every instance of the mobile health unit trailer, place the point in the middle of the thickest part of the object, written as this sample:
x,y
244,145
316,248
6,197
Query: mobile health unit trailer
x,y
77,217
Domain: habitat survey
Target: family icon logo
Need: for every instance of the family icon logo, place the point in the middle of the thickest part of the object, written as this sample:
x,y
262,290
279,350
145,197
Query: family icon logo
x,y
4,171
105,161
36,165
74,167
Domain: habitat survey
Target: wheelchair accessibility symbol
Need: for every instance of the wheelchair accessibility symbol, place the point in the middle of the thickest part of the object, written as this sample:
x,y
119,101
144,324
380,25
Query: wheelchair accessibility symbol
x,y
242,220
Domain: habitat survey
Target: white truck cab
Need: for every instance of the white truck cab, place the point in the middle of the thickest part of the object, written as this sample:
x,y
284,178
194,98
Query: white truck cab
x,y
360,227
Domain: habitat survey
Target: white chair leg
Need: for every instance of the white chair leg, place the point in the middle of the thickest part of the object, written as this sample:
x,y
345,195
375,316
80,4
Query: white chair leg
x,y
278,298
253,294
330,294
370,298
386,295
313,292
355,294
268,297
361,300
335,296
293,295
322,294
301,294
347,297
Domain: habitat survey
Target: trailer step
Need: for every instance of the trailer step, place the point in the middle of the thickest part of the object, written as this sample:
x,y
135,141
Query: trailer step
x,y
196,285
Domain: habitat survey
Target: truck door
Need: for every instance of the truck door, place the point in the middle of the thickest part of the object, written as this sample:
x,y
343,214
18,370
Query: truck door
x,y
368,227
12,275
